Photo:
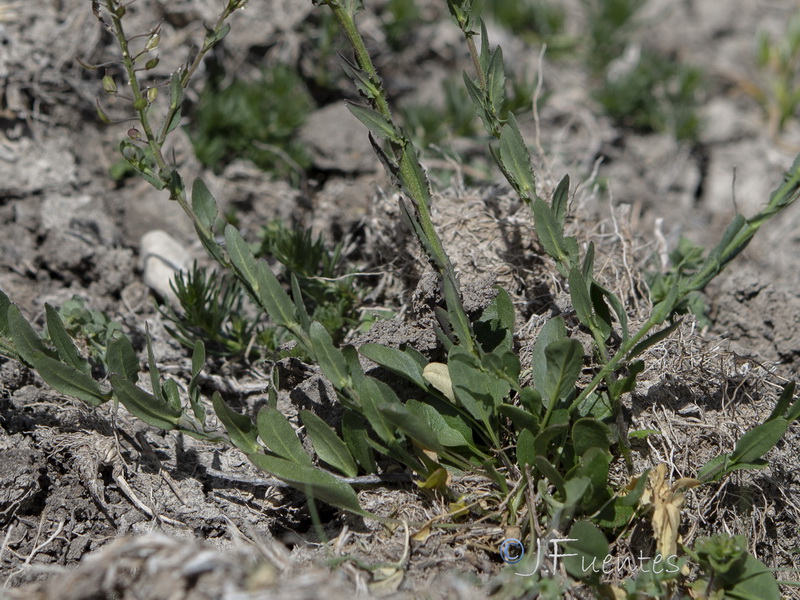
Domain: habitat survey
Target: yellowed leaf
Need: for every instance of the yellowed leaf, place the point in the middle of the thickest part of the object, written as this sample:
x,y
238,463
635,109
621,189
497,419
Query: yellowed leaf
x,y
438,375
666,501
386,581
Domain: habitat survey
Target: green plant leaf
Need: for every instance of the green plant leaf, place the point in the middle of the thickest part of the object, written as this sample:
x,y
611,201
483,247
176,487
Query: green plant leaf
x,y
561,201
526,452
590,548
564,360
203,203
758,441
144,406
446,422
521,418
240,428
121,357
373,394
65,347
551,236
27,343
330,359
155,379
496,83
172,395
547,435
589,433
279,436
311,481
374,121
479,392
397,361
68,380
415,427
579,293
555,329
517,160
783,403
327,444
355,434
260,279
552,474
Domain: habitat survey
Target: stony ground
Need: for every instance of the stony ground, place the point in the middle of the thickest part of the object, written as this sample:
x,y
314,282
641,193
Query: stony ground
x,y
93,504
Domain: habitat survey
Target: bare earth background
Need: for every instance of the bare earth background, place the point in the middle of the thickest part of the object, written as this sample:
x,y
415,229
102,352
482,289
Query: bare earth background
x,y
93,504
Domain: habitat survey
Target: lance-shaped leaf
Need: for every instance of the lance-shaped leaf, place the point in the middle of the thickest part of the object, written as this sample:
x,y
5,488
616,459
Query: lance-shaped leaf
x,y
330,358
27,343
203,203
394,360
279,436
327,444
240,428
260,279
153,411
517,160
355,432
312,481
68,380
121,357
564,360
375,122
65,347
560,201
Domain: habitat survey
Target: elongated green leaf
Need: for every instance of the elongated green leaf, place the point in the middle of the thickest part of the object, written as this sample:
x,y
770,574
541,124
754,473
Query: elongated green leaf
x,y
450,427
330,359
297,296
415,427
214,37
327,444
146,407
579,293
560,202
517,159
551,473
240,428
4,304
172,395
602,313
554,330
398,362
65,347
203,203
551,235
273,298
759,440
260,279
311,481
456,314
27,343
496,82
653,339
543,442
121,357
155,378
374,121
783,402
589,433
587,551
526,452
374,394
472,387
175,91
69,380
355,434
564,363
593,465
279,436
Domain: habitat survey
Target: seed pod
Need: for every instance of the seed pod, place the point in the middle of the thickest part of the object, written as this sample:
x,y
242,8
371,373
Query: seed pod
x,y
151,64
152,94
134,134
109,85
152,42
